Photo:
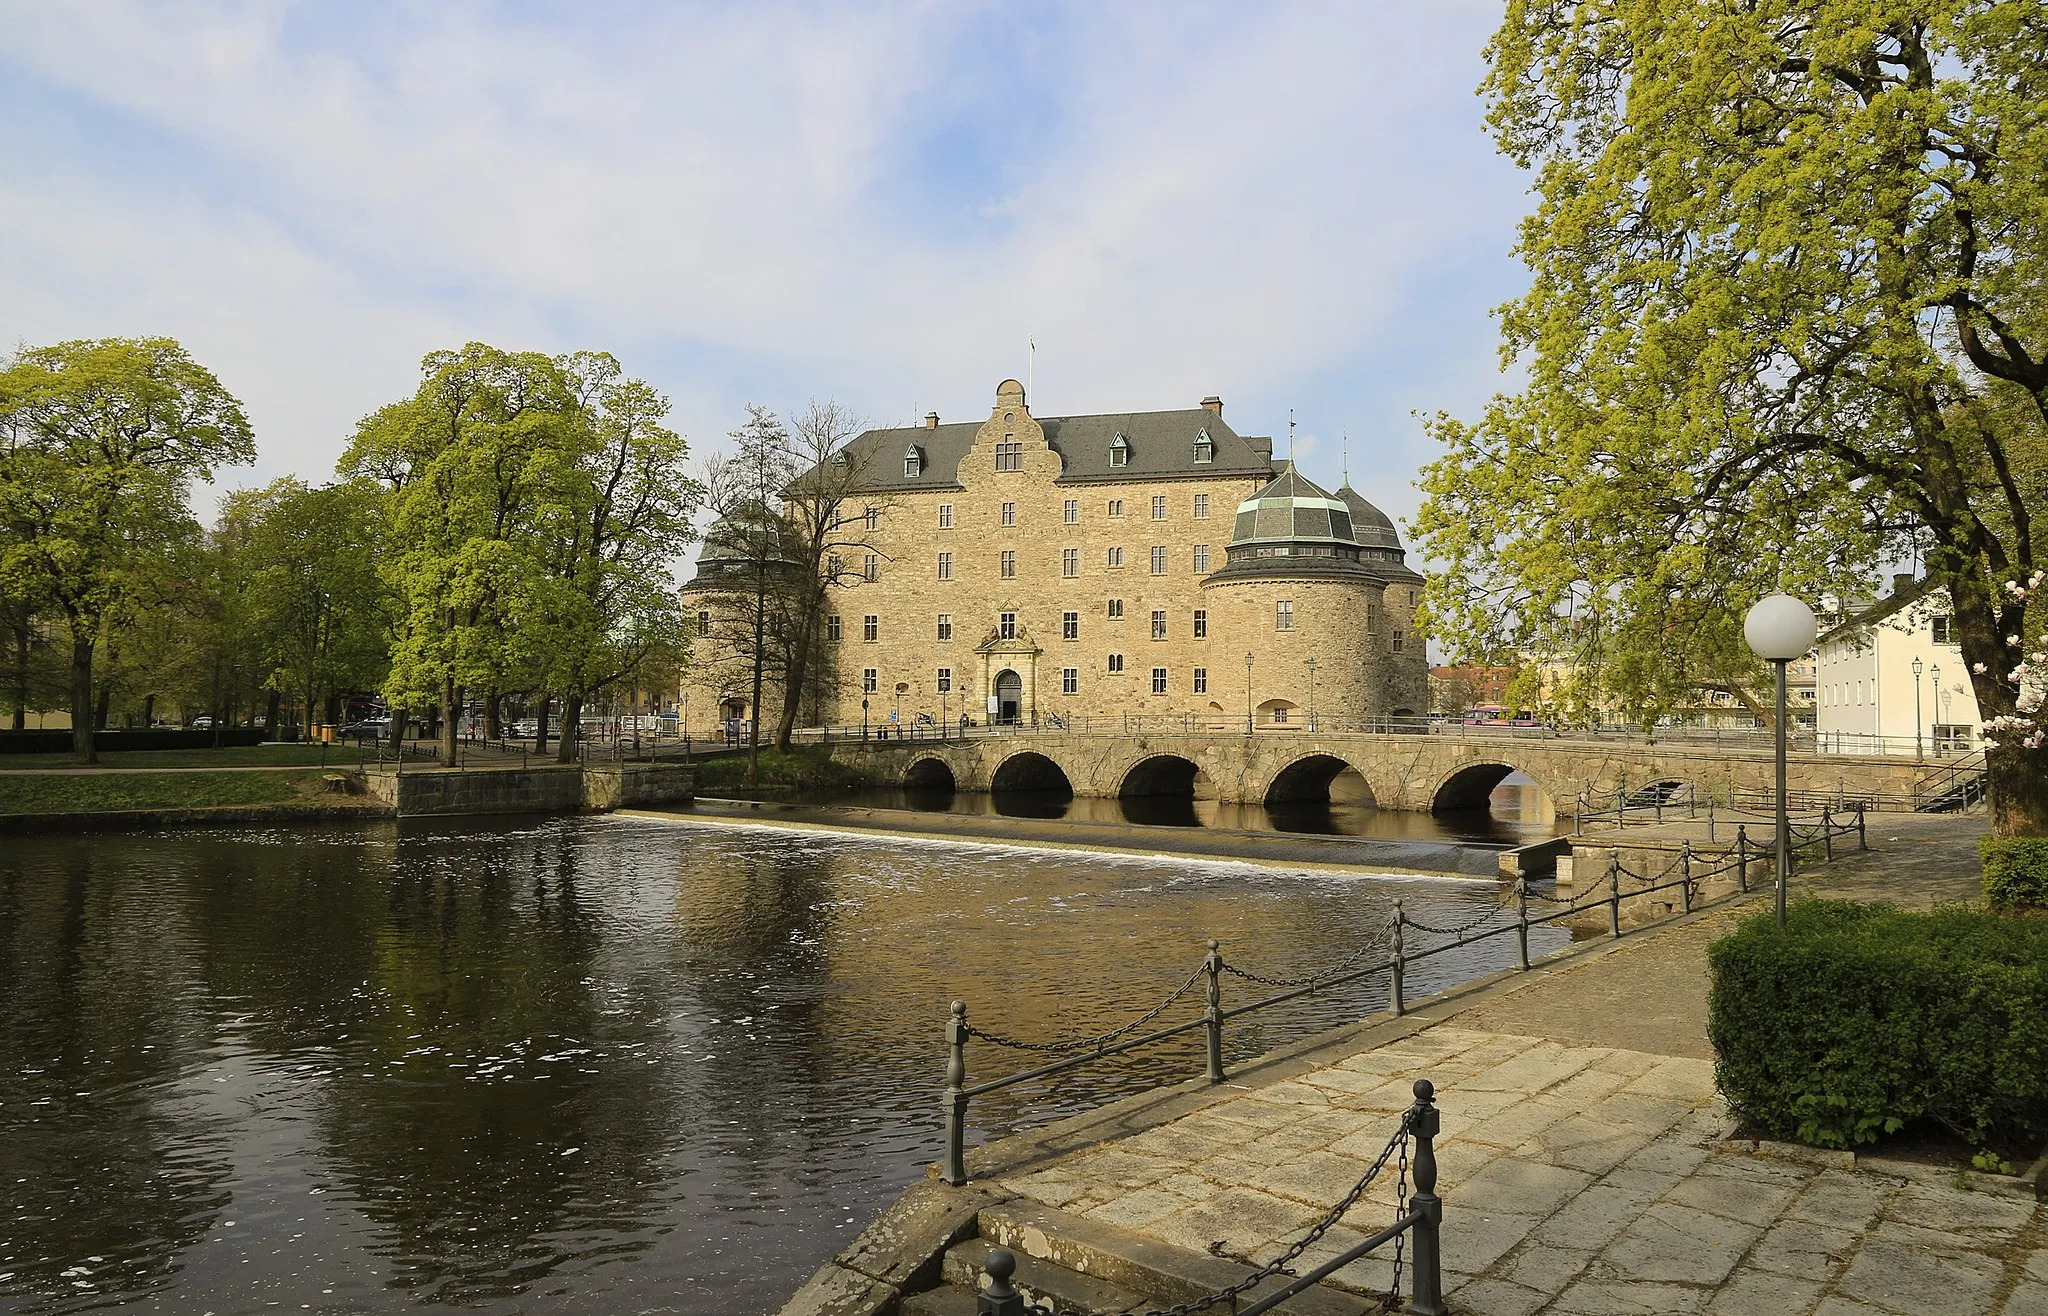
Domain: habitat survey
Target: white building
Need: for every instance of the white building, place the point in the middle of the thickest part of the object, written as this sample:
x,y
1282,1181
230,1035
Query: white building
x,y
1892,679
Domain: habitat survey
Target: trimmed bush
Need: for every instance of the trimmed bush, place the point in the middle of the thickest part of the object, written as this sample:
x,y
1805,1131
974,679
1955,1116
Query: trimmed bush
x,y
2015,871
1855,1019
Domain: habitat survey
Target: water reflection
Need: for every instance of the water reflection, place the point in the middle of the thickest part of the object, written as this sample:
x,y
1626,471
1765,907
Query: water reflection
x,y
573,1065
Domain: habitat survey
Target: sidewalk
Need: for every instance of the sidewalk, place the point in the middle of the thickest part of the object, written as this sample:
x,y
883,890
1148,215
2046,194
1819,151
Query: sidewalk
x,y
1585,1164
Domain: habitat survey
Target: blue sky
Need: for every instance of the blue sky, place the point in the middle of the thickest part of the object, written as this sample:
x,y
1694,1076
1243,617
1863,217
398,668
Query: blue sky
x,y
1292,206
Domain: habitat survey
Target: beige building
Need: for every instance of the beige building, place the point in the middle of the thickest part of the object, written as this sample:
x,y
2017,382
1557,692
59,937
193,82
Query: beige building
x,y
1093,569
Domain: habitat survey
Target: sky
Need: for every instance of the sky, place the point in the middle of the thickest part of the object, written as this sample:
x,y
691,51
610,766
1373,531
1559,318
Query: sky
x,y
1292,206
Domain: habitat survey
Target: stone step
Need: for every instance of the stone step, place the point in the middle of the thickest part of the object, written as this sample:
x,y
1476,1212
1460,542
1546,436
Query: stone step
x,y
1165,1274
952,1300
1068,1292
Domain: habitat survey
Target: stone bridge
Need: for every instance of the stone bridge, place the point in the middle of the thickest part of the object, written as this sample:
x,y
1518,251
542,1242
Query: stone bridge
x,y
1395,771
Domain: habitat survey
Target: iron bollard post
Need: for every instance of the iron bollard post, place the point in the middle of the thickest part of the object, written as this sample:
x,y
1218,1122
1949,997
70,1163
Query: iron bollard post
x,y
1862,843
1400,967
1614,892
955,1099
1522,920
1426,1297
1213,1025
1827,834
1742,856
1710,820
999,1297
1685,875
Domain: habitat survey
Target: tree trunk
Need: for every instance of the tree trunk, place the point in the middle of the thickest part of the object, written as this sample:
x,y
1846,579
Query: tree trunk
x,y
2019,790
21,678
448,751
793,682
572,727
754,706
492,729
148,711
540,726
272,711
99,712
397,732
81,698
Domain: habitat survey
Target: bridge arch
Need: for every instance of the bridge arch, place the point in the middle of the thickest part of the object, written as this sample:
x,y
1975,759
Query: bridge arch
x,y
1029,771
1318,779
1166,774
1469,787
930,774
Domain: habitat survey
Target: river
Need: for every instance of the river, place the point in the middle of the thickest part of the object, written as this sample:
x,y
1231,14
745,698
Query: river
x,y
564,1065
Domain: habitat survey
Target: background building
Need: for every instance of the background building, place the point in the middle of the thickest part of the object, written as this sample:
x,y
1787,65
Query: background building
x,y
1153,565
1892,680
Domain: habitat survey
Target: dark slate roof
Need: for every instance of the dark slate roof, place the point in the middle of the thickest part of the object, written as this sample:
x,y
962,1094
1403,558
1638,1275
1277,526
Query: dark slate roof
x,y
1161,445
1371,527
1292,507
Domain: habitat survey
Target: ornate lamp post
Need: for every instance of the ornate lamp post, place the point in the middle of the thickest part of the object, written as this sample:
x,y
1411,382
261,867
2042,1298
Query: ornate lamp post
x,y
1934,678
1918,755
1778,629
1247,694
1311,696
863,719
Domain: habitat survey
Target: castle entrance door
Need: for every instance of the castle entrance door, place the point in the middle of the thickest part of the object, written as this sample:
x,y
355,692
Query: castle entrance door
x,y
1009,697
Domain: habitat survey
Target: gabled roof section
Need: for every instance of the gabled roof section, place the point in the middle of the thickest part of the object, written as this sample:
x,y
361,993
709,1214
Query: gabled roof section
x,y
1904,594
1161,445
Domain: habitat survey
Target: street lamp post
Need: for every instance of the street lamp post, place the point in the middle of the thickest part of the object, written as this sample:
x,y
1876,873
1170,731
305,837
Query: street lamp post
x,y
1934,678
863,719
1918,755
1780,628
1247,694
1311,696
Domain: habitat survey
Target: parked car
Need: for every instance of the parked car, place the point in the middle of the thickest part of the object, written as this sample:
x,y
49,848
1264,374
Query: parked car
x,y
526,728
368,727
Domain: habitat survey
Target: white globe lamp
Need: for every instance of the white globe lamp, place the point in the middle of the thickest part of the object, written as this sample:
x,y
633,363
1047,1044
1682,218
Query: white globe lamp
x,y
1780,628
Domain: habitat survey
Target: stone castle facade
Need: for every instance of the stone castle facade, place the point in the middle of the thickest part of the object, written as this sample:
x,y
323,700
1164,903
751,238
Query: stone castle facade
x,y
1098,569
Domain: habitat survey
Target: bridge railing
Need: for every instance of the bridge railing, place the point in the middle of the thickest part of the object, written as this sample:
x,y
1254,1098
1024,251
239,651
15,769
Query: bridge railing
x,y
1686,874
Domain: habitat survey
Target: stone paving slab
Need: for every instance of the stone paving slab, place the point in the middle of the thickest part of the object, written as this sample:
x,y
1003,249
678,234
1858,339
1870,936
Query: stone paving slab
x,y
1578,1180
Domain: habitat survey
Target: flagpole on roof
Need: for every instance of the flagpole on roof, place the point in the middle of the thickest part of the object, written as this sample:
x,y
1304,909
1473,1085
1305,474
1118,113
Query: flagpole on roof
x,y
1031,370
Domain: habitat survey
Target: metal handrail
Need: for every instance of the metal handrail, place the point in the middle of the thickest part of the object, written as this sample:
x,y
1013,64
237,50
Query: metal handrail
x,y
1691,865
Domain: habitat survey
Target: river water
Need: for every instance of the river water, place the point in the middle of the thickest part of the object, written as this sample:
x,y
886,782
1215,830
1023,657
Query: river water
x,y
565,1065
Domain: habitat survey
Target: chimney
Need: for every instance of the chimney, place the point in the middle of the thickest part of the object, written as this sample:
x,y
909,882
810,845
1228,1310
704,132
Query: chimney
x,y
1902,581
1213,403
931,420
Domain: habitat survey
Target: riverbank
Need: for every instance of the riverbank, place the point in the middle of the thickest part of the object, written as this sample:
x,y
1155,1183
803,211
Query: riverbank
x,y
1587,1167
1476,860
56,793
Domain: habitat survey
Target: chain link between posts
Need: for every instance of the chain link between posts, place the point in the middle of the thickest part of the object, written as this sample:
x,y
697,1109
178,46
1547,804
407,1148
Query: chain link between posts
x,y
1099,1040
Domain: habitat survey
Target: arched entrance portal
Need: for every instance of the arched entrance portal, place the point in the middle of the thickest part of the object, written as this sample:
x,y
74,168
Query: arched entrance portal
x,y
1010,698
1030,786
1161,791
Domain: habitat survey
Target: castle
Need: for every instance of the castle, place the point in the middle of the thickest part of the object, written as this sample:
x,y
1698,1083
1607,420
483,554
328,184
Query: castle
x,y
1145,568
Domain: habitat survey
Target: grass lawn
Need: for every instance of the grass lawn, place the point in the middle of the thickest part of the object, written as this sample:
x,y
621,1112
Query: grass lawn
x,y
809,767
60,792
231,756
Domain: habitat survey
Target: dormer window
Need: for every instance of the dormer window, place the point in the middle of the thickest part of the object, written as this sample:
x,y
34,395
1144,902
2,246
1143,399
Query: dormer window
x,y
1119,451
913,462
1205,448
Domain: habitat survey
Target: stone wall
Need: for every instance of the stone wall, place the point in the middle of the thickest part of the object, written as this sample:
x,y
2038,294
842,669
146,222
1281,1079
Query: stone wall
x,y
429,791
630,785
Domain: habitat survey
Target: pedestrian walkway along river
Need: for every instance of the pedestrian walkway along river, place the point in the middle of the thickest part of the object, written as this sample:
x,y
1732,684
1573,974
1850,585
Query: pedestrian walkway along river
x,y
563,1065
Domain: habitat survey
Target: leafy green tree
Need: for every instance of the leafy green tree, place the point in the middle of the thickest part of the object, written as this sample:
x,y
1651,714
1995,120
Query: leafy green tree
x,y
753,549
1782,254
99,442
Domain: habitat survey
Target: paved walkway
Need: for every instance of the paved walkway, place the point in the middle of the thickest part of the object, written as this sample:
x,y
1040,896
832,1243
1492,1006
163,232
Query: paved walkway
x,y
1585,1164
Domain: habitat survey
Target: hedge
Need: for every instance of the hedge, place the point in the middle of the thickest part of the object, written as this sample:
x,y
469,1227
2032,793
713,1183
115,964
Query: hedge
x,y
1854,1019
2015,871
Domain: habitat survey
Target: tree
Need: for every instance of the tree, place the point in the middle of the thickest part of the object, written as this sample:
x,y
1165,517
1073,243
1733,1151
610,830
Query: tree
x,y
752,546
823,538
99,441
1783,254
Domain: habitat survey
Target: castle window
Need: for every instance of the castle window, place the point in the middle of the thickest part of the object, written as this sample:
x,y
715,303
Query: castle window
x,y
1116,507
1009,563
1280,716
868,681
1201,507
1070,626
1159,680
1070,680
945,625
1158,623
1006,626
703,623
1943,629
1201,623
1009,455
1072,511
1116,609
1411,598
1116,662
1283,615
872,519
945,680
1201,680
870,628
945,566
945,516
1115,557
873,570
1159,507
1119,451
1205,449
832,628
1159,559
1202,558
835,566
1070,562
1398,639
1009,513
913,462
